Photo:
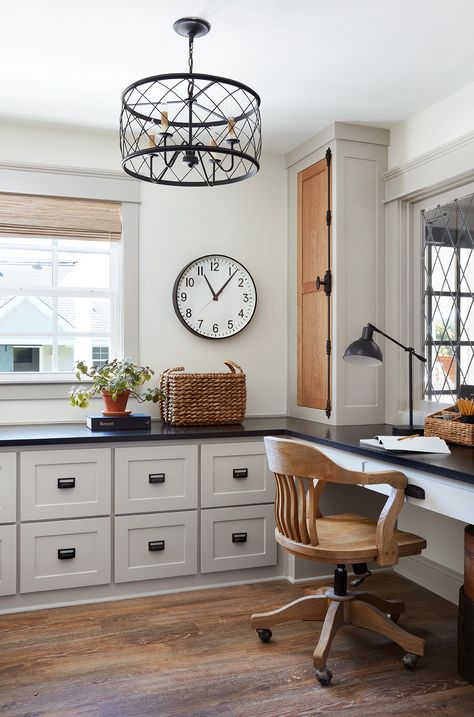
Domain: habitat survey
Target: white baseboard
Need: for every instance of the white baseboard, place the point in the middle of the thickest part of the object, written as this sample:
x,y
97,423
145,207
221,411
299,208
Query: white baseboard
x,y
430,575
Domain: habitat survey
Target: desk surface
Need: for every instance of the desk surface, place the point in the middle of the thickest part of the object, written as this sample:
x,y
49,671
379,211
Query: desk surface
x,y
459,465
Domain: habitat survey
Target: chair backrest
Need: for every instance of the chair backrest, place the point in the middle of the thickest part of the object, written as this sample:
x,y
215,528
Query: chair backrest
x,y
301,474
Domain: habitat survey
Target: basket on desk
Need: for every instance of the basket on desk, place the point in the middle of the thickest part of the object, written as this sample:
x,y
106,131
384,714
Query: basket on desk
x,y
450,428
203,399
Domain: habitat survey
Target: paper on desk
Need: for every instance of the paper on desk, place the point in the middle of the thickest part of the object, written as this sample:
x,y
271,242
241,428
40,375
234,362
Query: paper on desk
x,y
420,444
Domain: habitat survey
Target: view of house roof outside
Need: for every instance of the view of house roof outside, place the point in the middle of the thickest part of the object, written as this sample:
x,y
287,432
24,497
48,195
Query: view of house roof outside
x,y
56,303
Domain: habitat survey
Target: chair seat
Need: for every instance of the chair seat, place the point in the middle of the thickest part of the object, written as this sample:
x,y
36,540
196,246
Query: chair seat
x,y
348,538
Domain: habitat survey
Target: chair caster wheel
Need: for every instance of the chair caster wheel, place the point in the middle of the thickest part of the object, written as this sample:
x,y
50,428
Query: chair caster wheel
x,y
324,676
393,616
264,635
409,661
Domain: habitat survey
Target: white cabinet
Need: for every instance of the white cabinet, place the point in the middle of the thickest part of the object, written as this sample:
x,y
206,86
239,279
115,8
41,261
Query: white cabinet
x,y
236,538
241,534
65,483
132,513
7,559
235,474
156,478
65,554
7,487
161,545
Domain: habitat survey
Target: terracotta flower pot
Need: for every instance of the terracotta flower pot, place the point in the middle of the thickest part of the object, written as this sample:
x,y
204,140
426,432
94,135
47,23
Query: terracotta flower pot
x,y
117,407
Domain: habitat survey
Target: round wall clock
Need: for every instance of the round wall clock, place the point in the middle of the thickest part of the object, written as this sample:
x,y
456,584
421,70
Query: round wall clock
x,y
214,296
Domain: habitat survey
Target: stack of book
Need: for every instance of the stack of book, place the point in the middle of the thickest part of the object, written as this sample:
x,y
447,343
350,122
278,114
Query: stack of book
x,y
135,421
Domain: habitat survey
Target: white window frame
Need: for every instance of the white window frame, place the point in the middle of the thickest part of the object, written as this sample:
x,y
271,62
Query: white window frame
x,y
446,168
425,405
55,181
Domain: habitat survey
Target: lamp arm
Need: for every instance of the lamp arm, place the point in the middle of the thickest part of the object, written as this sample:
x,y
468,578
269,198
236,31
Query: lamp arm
x,y
405,348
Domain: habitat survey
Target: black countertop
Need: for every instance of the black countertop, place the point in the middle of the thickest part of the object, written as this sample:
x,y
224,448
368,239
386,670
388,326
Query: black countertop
x,y
459,465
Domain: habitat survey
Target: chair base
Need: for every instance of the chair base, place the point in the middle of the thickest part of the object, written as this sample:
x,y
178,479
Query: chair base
x,y
360,609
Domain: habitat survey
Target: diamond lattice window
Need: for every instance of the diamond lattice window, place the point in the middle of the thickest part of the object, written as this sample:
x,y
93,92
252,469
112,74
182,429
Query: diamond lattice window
x,y
448,299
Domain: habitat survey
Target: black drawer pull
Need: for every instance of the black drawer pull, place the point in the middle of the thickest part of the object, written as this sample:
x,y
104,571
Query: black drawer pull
x,y
239,537
414,491
66,482
156,478
155,545
240,473
66,553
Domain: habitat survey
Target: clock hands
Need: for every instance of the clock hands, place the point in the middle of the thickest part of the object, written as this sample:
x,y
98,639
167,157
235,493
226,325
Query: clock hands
x,y
223,287
214,295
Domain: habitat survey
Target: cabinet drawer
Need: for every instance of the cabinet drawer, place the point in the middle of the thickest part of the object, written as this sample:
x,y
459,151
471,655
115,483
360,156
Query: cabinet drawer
x,y
7,487
235,474
65,484
235,538
7,559
65,554
157,478
442,495
155,546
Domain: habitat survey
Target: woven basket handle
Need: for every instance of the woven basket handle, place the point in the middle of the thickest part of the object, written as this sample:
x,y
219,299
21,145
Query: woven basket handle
x,y
233,366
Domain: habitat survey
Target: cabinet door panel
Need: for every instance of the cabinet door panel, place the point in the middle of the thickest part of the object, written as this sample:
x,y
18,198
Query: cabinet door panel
x,y
65,554
7,487
236,538
157,478
65,483
7,559
235,474
312,259
161,545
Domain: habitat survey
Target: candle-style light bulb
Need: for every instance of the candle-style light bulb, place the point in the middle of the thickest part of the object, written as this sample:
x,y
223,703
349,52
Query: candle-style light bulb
x,y
231,136
214,156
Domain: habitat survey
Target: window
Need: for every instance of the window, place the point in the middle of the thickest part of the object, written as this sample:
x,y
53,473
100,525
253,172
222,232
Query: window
x,y
59,284
448,299
100,355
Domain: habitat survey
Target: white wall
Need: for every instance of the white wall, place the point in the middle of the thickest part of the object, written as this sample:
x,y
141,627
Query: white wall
x,y
246,221
442,122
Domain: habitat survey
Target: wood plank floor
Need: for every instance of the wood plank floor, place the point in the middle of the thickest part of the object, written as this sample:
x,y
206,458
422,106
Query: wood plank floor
x,y
194,654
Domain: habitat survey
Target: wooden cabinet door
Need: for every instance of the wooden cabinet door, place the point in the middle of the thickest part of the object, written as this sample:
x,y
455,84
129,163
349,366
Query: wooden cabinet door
x,y
312,304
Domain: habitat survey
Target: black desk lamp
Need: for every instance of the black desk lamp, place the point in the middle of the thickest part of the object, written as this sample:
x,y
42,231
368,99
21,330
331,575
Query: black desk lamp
x,y
365,352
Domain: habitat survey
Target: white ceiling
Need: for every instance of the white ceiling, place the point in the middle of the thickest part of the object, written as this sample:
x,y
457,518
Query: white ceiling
x,y
311,61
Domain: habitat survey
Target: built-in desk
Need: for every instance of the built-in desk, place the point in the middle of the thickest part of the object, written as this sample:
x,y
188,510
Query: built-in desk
x,y
458,466
78,490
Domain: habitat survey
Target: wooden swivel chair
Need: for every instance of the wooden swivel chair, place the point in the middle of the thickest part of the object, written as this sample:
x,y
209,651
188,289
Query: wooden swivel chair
x,y
301,474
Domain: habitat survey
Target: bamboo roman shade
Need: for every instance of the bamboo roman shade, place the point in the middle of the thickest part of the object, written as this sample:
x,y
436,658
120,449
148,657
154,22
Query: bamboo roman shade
x,y
28,215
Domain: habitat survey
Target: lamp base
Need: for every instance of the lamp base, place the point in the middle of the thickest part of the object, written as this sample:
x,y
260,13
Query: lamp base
x,y
408,430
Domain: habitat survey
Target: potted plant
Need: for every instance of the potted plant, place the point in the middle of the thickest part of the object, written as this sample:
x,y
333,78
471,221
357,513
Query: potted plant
x,y
116,380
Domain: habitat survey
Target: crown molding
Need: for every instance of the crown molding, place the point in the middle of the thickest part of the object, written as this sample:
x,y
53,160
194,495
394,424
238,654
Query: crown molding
x,y
59,169
58,180
449,165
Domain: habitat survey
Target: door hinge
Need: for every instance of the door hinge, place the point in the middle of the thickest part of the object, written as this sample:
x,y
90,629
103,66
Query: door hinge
x,y
328,409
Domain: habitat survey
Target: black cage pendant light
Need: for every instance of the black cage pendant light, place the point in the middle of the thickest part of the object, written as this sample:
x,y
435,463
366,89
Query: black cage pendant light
x,y
190,129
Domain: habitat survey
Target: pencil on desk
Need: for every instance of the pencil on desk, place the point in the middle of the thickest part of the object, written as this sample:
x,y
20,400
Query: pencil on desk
x,y
414,435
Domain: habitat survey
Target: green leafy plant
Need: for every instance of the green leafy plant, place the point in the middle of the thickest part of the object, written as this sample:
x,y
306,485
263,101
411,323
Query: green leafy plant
x,y
115,377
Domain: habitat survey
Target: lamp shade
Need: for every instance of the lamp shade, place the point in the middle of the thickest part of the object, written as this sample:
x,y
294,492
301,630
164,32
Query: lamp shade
x,y
364,351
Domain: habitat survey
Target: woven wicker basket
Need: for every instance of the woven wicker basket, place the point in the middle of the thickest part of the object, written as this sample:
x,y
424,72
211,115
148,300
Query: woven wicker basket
x,y
450,428
203,399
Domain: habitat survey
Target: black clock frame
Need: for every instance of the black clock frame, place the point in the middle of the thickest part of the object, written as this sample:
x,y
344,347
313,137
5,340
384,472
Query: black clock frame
x,y
175,300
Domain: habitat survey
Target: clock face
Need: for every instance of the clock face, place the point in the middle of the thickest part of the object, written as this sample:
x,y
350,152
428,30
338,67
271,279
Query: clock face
x,y
214,296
